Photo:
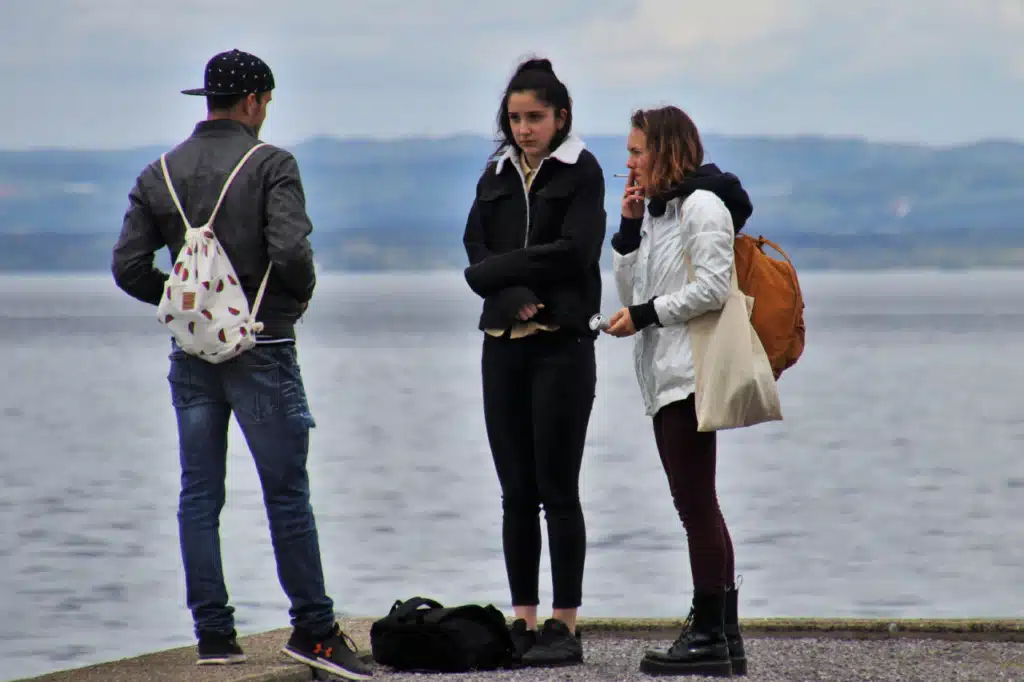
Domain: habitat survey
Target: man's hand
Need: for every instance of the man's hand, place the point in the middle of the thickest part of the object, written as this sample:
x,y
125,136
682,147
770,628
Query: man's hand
x,y
621,324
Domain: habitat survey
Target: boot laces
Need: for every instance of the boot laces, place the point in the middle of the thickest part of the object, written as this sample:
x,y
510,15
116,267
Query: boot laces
x,y
682,642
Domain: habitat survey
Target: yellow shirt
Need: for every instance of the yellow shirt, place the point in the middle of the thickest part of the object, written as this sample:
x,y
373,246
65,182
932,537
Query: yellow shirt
x,y
521,329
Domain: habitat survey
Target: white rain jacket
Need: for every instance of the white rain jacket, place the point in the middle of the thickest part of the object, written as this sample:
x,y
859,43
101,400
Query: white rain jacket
x,y
701,226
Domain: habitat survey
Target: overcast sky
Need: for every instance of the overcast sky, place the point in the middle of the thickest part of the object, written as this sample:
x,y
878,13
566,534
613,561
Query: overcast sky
x,y
107,73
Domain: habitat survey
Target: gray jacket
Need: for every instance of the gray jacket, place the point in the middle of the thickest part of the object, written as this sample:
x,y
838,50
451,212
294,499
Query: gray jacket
x,y
262,220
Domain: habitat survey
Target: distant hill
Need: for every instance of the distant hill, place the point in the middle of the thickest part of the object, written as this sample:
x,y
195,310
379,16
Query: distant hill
x,y
400,204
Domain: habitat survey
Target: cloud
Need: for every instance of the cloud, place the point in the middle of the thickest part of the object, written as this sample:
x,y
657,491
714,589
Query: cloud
x,y
108,72
744,41
315,44
733,39
943,35
625,42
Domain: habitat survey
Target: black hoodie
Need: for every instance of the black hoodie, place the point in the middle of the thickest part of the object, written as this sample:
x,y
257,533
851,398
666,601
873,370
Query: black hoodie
x,y
725,186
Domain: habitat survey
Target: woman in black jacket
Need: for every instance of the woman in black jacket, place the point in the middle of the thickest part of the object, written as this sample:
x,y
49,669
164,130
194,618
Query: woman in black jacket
x,y
534,238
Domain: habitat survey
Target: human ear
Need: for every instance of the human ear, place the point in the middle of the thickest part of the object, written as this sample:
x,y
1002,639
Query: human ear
x,y
561,118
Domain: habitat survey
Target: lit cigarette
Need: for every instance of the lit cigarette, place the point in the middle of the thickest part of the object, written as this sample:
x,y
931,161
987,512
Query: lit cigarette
x,y
622,175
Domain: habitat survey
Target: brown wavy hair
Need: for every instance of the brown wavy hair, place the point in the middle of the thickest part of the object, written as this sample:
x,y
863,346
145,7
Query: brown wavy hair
x,y
673,142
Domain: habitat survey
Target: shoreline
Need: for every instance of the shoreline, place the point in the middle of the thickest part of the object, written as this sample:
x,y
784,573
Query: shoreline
x,y
874,637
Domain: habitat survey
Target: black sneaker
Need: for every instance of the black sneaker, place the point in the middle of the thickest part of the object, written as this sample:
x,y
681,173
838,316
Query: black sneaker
x,y
523,640
335,654
217,649
555,646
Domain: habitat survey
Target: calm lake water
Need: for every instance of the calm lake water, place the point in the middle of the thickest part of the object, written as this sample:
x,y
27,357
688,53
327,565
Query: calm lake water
x,y
894,488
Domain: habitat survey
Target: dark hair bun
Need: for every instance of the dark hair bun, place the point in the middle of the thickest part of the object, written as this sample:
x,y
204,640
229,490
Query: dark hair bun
x,y
536,65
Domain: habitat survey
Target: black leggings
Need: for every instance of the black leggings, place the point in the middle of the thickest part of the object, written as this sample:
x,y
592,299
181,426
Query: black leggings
x,y
538,393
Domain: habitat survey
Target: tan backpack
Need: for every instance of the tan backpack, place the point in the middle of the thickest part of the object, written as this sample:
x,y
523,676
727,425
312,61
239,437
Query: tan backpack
x,y
778,316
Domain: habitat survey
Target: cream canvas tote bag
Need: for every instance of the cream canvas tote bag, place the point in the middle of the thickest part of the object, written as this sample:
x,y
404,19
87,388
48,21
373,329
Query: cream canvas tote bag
x,y
735,386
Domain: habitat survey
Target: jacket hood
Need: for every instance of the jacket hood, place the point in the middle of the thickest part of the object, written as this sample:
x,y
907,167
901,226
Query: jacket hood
x,y
725,186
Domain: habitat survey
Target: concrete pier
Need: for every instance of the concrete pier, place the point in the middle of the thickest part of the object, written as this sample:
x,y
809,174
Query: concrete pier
x,y
778,649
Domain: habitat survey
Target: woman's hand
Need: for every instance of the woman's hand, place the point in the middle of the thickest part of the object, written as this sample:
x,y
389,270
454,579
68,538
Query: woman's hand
x,y
529,310
633,198
621,324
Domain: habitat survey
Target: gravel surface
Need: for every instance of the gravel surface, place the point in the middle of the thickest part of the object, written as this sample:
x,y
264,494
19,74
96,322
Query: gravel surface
x,y
800,660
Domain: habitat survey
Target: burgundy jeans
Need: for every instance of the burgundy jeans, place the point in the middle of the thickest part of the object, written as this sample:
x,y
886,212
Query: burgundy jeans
x,y
689,460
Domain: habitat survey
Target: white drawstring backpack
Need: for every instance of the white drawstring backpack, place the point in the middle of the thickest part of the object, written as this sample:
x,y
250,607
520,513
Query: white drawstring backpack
x,y
203,305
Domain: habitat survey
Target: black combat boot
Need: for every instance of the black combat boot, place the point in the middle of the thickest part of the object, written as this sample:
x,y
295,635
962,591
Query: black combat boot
x,y
701,648
737,656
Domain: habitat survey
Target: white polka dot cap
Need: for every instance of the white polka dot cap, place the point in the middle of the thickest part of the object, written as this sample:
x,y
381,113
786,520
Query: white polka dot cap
x,y
235,73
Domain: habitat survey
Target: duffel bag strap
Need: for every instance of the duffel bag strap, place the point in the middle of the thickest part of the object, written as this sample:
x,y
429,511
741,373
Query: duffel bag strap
x,y
401,610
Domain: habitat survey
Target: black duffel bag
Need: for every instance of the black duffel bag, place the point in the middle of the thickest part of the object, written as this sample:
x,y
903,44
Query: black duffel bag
x,y
421,635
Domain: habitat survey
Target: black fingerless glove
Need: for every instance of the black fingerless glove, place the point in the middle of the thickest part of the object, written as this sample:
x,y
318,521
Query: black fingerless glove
x,y
644,315
627,239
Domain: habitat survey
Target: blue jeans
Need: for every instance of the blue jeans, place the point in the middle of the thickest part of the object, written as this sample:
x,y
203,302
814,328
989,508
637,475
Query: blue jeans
x,y
263,388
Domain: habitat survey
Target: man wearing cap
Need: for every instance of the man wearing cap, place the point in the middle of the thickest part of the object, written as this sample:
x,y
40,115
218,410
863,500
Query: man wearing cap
x,y
262,221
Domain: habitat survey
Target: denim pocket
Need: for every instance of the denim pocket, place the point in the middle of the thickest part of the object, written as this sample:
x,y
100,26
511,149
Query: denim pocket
x,y
298,416
258,393
186,388
266,383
